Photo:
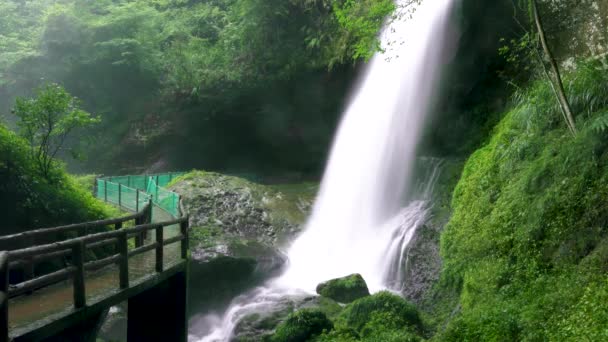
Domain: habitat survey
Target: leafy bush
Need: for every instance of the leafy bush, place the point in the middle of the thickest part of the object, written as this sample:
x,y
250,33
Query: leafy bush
x,y
301,326
30,200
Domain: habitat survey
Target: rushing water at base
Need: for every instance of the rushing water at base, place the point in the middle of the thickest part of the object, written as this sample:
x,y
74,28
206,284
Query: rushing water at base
x,y
363,220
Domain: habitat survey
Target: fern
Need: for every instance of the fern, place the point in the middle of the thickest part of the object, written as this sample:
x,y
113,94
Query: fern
x,y
600,123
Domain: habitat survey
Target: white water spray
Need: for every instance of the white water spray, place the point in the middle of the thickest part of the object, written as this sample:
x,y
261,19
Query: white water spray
x,y
373,155
357,224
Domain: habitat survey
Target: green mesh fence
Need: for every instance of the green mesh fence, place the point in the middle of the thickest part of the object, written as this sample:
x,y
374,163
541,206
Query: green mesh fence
x,y
165,199
134,192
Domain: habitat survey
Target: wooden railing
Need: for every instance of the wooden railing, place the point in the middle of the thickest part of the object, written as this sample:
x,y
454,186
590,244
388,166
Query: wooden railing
x,y
75,250
54,234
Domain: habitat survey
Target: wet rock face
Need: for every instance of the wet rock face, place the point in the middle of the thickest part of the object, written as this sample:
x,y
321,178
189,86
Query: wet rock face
x,y
262,324
236,229
423,264
344,290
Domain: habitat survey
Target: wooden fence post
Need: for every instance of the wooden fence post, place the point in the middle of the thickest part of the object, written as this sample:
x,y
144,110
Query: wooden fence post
x,y
80,298
123,249
149,212
4,296
185,242
159,248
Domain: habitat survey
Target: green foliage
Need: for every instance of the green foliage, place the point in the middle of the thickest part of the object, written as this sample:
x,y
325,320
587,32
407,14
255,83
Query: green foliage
x,y
47,121
301,326
362,20
157,69
380,317
30,200
527,239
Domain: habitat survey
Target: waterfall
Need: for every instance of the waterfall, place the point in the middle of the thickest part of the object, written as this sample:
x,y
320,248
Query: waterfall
x,y
365,214
366,179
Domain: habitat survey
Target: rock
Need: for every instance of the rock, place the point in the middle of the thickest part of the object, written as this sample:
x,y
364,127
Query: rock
x,y
344,290
223,271
237,227
261,324
245,209
397,313
301,326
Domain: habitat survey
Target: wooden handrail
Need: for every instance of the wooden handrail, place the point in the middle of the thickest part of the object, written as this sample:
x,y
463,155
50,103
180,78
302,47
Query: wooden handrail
x,y
45,232
75,250
76,247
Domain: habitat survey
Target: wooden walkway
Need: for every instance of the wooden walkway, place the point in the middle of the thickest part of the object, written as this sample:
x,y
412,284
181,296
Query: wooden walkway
x,y
98,265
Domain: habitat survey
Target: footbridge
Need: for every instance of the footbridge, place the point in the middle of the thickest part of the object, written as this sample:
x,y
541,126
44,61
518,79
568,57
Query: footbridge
x,y
58,283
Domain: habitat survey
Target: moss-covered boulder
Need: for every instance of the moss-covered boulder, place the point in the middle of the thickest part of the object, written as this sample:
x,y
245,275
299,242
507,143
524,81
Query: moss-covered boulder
x,y
344,290
301,326
381,317
394,311
266,213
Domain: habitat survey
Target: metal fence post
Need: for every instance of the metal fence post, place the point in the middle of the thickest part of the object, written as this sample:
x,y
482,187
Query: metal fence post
x,y
105,191
120,194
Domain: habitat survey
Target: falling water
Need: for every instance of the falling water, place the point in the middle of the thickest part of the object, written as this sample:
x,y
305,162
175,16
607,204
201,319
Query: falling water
x,y
371,162
363,220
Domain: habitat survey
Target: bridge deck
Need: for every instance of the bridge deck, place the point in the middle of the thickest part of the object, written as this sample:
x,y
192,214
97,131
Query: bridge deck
x,y
57,300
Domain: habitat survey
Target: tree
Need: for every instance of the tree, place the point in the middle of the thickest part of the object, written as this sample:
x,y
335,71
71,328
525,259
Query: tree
x,y
532,49
555,77
47,120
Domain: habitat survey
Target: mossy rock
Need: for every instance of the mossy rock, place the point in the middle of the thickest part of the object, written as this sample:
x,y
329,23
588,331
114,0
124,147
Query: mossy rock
x,y
301,326
344,290
238,207
383,309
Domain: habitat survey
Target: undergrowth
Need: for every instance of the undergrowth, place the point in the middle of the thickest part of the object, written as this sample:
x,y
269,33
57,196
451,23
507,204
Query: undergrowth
x,y
29,200
526,248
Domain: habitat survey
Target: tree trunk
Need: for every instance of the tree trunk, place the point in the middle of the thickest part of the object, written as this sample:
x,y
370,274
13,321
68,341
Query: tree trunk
x,y
559,85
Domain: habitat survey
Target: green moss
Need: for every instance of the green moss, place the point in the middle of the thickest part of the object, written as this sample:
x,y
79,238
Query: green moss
x,y
205,237
528,234
344,290
301,326
382,312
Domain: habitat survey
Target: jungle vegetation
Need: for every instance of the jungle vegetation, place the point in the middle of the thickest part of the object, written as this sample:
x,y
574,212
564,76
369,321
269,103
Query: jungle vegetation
x,y
525,251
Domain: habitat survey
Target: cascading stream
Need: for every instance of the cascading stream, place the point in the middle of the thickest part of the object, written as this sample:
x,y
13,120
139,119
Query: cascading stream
x,y
363,220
